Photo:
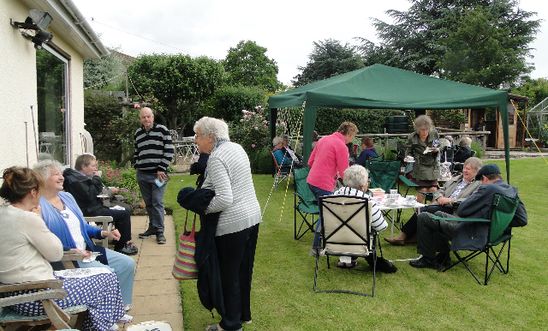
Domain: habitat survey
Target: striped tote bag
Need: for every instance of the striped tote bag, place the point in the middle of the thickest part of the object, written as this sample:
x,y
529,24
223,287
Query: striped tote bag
x,y
185,266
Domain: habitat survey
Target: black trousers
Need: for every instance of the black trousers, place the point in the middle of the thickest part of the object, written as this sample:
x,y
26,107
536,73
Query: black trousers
x,y
122,222
434,236
236,253
410,227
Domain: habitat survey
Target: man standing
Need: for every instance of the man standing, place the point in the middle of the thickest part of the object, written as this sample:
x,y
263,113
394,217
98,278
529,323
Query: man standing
x,y
434,236
153,154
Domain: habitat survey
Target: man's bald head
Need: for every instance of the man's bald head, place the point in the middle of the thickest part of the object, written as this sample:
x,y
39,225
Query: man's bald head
x,y
146,116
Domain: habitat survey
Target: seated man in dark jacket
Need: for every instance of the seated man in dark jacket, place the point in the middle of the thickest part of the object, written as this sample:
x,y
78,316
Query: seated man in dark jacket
x,y
434,236
84,184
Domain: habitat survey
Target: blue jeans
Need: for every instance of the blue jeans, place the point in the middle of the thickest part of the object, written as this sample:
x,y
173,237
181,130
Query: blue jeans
x,y
318,192
154,199
124,268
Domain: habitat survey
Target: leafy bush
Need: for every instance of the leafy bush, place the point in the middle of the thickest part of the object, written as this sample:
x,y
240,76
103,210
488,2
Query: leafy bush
x,y
448,118
123,178
111,126
228,101
477,148
367,120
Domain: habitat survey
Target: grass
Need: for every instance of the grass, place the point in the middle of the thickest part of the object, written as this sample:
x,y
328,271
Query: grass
x,y
411,299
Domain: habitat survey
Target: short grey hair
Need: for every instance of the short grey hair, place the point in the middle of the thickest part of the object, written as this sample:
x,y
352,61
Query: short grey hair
x,y
423,121
356,176
473,162
465,141
277,140
44,167
213,127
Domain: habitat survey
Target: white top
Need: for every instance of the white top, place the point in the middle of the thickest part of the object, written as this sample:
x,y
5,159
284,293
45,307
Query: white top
x,y
73,224
377,220
26,246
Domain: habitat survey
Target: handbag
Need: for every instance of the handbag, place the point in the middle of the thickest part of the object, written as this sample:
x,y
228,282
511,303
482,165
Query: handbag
x,y
185,266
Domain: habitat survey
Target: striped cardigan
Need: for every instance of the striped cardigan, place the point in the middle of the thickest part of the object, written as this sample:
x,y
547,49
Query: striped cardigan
x,y
228,173
153,149
377,220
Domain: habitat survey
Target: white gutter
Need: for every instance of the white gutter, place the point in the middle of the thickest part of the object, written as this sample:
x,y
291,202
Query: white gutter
x,y
89,36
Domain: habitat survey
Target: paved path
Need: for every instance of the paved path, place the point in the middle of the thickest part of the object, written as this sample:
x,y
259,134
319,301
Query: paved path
x,y
156,293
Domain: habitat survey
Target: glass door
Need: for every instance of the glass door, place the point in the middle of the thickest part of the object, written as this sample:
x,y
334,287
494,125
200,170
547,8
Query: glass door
x,y
52,73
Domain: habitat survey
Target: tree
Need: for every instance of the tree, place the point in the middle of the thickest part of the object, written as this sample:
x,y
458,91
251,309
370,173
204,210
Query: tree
x,y
535,89
111,125
329,58
437,38
247,65
229,101
108,72
177,85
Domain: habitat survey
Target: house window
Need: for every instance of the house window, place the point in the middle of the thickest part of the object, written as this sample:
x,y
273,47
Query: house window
x,y
53,112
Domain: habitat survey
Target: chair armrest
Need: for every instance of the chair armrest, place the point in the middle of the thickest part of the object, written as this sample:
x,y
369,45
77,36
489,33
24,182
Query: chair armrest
x,y
459,219
72,256
406,181
104,220
56,294
32,285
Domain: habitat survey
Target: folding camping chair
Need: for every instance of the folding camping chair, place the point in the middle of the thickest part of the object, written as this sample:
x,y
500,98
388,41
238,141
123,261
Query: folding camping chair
x,y
502,212
304,204
282,172
383,174
346,231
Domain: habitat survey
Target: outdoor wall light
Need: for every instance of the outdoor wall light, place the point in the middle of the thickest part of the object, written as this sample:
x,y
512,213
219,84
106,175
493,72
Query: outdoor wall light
x,y
37,21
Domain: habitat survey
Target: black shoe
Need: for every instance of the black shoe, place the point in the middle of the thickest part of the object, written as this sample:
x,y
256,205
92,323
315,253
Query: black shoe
x,y
443,260
160,238
383,265
424,262
128,249
149,232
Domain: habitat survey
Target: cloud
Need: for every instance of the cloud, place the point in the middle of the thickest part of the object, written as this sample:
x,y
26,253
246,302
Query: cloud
x,y
287,28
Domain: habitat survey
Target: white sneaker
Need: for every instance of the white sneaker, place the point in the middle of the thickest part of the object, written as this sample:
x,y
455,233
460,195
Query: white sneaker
x,y
126,319
114,327
128,307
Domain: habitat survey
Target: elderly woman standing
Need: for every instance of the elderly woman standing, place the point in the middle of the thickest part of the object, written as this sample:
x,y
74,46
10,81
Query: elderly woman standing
x,y
423,145
65,219
228,173
28,246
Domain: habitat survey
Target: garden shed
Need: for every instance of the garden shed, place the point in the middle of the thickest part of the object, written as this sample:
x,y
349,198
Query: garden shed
x,y
383,87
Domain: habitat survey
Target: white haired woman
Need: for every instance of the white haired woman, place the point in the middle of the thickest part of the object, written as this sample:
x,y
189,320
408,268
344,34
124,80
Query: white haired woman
x,y
423,146
356,182
228,173
65,219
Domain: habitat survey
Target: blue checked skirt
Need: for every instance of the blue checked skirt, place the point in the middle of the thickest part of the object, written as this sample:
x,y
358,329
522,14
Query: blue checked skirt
x,y
100,293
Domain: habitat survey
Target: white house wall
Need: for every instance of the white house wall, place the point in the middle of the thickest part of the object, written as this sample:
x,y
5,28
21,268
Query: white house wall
x,y
18,91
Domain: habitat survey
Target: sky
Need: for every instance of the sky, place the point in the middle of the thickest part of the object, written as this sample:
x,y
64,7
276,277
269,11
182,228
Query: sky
x,y
286,28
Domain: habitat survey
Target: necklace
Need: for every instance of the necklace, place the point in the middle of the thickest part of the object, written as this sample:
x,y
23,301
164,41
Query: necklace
x,y
59,206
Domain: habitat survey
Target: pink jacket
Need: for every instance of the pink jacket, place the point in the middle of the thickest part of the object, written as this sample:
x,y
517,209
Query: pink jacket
x,y
329,160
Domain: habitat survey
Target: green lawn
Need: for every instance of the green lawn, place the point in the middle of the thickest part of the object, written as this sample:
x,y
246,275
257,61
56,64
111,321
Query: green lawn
x,y
411,299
